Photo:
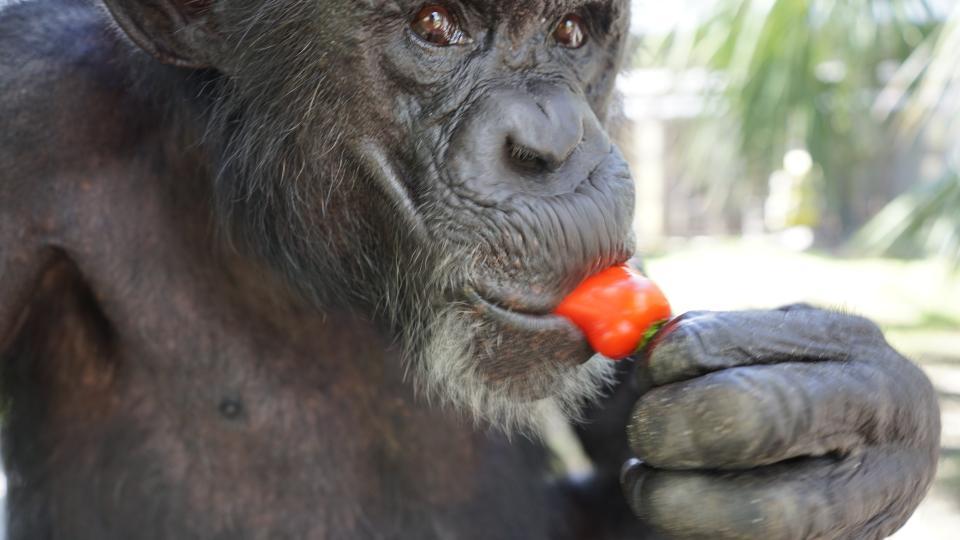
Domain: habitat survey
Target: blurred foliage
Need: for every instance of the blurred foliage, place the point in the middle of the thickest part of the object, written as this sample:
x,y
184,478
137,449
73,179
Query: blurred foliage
x,y
810,74
926,220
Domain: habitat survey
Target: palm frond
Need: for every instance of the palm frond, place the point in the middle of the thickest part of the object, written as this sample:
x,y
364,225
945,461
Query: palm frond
x,y
924,221
803,73
924,97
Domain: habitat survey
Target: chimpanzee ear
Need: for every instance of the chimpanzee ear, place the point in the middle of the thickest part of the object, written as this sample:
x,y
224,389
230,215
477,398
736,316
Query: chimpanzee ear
x,y
176,32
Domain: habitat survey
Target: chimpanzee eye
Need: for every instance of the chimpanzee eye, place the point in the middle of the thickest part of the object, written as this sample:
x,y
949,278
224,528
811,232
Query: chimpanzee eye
x,y
570,32
435,24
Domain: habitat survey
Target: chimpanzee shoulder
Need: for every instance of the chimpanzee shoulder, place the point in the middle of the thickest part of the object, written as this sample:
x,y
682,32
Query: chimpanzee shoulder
x,y
74,98
46,45
55,63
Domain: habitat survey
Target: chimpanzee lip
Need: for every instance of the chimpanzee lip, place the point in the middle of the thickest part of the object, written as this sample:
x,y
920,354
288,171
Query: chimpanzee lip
x,y
552,339
529,320
534,305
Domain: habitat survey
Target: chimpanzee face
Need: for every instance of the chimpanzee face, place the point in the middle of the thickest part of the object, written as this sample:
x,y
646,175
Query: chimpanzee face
x,y
443,166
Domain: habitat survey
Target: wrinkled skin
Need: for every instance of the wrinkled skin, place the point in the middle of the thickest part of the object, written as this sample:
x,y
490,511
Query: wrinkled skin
x,y
273,269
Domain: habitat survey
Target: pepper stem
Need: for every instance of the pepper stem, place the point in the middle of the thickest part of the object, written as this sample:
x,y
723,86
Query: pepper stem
x,y
650,333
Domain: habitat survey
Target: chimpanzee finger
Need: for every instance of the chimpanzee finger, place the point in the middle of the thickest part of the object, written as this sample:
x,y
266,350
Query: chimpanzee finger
x,y
861,496
757,415
702,342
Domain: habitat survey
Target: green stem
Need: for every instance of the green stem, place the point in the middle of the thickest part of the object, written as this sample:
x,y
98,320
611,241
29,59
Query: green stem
x,y
650,333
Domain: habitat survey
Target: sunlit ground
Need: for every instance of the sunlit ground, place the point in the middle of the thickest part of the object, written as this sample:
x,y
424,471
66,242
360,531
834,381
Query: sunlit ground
x,y
917,303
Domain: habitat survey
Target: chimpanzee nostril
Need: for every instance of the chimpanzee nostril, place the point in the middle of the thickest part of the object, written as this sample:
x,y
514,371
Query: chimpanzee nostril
x,y
528,160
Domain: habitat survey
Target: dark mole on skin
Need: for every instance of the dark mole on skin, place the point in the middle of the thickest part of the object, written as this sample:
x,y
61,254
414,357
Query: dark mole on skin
x,y
231,409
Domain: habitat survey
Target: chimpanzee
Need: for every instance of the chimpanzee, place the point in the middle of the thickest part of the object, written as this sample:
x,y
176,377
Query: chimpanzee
x,y
284,269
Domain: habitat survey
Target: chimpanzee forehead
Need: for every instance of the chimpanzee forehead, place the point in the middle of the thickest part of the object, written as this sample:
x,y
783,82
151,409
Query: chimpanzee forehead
x,y
532,8
518,16
525,8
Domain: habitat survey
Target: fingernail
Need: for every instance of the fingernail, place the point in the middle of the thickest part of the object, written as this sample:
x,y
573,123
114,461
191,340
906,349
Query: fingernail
x,y
631,471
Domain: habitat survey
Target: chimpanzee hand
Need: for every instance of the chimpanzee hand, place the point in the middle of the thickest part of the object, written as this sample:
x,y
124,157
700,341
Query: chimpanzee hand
x,y
787,424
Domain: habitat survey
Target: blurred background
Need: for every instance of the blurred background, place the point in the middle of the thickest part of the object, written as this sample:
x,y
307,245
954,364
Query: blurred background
x,y
808,150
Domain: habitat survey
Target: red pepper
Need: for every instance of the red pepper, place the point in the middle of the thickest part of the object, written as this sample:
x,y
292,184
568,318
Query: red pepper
x,y
618,309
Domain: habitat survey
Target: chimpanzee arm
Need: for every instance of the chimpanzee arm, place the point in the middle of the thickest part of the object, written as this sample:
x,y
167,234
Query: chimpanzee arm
x,y
24,200
599,502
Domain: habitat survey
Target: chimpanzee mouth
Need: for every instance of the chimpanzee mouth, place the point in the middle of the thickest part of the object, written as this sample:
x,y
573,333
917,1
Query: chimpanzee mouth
x,y
509,368
534,319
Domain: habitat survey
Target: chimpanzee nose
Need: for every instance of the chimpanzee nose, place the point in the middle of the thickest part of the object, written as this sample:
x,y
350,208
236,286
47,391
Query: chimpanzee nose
x,y
540,133
541,141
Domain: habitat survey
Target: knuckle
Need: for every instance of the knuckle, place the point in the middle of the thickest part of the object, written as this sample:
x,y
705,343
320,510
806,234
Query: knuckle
x,y
679,349
799,306
677,332
768,510
666,498
851,328
727,424
779,516
862,327
714,421
645,430
689,323
839,335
